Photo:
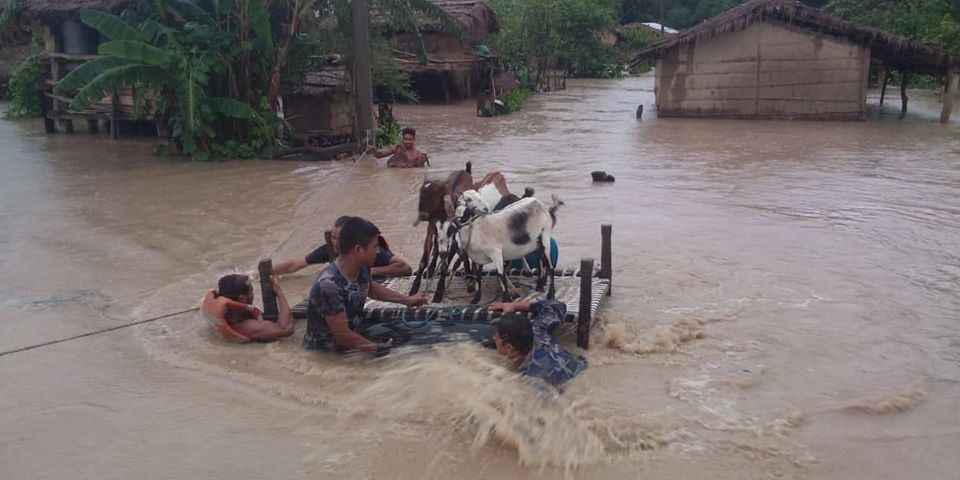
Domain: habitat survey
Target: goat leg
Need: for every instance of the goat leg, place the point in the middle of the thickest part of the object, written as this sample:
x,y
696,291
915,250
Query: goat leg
x,y
544,261
441,282
479,286
429,244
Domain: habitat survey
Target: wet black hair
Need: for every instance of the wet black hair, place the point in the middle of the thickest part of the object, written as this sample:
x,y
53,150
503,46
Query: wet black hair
x,y
234,285
515,329
342,220
356,231
410,131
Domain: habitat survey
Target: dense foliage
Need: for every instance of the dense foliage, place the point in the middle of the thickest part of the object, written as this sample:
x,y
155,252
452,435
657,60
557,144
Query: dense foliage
x,y
25,101
930,21
218,67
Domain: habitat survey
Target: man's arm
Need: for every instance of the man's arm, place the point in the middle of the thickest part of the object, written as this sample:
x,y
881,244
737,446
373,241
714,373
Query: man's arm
x,y
385,151
396,268
289,267
259,329
346,338
379,292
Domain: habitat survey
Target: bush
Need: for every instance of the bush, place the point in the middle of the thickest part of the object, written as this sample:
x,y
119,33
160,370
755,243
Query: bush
x,y
23,89
514,99
386,134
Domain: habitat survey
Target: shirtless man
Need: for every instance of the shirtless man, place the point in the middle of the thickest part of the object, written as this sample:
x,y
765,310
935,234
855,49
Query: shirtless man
x,y
405,155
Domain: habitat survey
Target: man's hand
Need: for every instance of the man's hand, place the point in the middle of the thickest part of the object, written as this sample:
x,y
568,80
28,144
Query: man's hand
x,y
509,307
417,300
254,311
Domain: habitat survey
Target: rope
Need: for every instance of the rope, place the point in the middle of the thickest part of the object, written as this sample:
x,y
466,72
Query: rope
x,y
97,332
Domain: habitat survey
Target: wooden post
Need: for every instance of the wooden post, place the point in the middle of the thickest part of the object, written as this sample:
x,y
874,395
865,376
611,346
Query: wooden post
x,y
93,126
270,309
114,116
584,319
903,94
363,77
50,47
884,78
952,79
606,255
446,88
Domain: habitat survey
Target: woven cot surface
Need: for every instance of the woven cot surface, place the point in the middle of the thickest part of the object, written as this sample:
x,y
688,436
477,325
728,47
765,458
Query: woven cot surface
x,y
567,291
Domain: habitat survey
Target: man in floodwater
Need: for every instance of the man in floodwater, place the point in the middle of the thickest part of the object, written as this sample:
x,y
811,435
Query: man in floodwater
x,y
527,340
230,311
405,154
335,307
385,265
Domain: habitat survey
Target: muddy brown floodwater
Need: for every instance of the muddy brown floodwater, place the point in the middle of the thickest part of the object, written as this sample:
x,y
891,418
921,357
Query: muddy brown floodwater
x,y
786,305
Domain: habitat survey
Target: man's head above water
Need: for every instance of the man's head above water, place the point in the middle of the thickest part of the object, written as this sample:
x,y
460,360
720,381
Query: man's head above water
x,y
236,287
409,137
514,335
358,240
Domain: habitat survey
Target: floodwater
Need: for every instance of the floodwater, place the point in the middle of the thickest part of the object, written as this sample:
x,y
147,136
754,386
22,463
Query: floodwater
x,y
785,305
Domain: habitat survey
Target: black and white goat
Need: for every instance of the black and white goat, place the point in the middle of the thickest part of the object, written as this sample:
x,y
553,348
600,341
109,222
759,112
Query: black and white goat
x,y
509,234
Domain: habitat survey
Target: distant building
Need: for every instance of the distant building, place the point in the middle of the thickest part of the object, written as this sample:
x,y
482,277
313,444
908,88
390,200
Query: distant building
x,y
453,67
780,59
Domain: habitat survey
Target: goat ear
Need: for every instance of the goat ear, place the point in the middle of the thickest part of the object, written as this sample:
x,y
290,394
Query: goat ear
x,y
448,206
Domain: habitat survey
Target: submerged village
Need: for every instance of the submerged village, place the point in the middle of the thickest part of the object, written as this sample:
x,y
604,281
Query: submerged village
x,y
479,238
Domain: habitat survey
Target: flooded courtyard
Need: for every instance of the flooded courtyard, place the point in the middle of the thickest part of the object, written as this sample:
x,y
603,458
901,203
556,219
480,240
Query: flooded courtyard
x,y
785,304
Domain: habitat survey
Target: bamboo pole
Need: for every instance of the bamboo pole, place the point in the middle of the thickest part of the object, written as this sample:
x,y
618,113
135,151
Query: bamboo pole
x,y
885,77
362,71
950,96
903,94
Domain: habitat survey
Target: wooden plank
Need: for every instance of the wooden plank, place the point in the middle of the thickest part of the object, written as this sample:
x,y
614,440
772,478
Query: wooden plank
x,y
606,255
269,298
71,57
584,317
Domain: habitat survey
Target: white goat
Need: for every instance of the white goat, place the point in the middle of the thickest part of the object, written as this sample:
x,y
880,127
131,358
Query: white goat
x,y
509,234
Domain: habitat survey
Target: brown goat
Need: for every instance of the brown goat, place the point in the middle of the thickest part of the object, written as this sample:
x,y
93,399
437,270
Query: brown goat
x,y
437,204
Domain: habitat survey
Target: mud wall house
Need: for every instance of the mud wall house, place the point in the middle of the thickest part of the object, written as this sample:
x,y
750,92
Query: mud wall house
x,y
780,59
453,68
67,44
320,110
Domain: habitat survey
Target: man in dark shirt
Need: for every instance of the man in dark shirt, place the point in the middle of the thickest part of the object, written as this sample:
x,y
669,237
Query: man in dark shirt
x,y
385,265
335,307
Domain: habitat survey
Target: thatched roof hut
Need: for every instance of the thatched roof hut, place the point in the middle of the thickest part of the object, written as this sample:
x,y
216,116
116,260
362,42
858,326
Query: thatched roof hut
x,y
476,18
452,69
893,50
57,11
780,59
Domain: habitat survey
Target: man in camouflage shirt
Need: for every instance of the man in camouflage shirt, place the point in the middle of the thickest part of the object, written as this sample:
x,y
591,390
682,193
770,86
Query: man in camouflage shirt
x,y
336,300
527,340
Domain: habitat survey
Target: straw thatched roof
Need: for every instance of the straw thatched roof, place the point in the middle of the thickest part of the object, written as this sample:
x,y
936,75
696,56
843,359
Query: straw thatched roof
x,y
893,50
477,19
55,11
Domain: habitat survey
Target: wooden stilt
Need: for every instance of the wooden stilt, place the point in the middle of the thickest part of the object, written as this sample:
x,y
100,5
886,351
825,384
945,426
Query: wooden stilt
x,y
952,79
584,317
884,78
903,94
606,255
446,88
270,309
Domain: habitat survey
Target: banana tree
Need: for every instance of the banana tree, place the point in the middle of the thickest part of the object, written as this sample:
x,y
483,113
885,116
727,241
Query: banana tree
x,y
152,56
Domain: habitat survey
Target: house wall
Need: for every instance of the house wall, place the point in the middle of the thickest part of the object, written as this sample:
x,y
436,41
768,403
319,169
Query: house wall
x,y
768,70
322,114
